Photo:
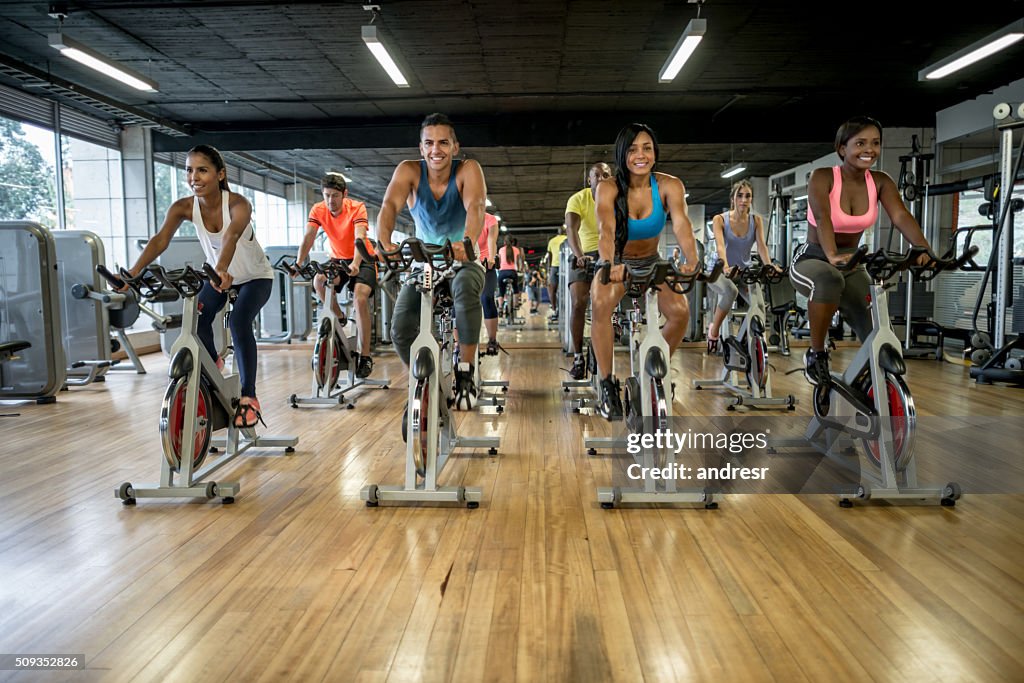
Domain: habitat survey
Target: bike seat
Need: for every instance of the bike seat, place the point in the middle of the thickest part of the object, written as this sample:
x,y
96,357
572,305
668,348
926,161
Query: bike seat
x,y
423,364
8,349
655,365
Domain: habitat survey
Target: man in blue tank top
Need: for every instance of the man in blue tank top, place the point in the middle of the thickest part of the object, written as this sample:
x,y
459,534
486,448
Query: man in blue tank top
x,y
447,198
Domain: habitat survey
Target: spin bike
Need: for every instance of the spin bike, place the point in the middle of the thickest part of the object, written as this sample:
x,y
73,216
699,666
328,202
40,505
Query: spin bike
x,y
198,401
870,401
745,354
430,434
646,399
334,351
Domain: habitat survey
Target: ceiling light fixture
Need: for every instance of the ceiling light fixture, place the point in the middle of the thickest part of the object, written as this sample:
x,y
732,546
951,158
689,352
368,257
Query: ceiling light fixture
x,y
687,43
734,170
379,51
72,49
976,51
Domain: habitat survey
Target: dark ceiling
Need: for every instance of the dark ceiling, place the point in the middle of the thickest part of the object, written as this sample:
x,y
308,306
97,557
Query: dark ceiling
x,y
538,89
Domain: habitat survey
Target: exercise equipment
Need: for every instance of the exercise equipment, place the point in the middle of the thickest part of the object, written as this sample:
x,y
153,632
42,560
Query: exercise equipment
x,y
870,402
429,428
30,311
745,354
335,353
198,402
1000,365
647,401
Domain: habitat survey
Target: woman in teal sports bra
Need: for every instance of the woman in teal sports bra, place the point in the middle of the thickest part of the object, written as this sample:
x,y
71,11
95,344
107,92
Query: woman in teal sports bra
x,y
631,212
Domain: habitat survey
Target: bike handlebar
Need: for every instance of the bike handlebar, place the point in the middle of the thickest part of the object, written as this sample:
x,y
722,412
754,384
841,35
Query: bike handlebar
x,y
639,280
413,249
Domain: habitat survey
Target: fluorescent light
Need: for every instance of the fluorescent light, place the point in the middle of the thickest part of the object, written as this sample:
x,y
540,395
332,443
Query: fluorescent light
x,y
978,50
94,60
730,172
381,53
684,48
800,198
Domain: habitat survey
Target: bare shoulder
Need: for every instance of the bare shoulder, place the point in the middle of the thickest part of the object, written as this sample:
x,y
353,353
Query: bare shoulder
x,y
607,189
821,175
882,179
235,199
469,168
182,208
670,185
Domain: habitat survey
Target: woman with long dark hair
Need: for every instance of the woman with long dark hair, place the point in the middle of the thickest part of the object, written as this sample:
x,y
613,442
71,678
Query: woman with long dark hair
x,y
632,208
223,221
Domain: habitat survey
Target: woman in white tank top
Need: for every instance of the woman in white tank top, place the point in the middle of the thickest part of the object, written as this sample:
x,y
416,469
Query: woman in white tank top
x,y
223,225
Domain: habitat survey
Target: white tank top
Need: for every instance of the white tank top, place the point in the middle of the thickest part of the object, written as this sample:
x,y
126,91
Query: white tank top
x,y
249,261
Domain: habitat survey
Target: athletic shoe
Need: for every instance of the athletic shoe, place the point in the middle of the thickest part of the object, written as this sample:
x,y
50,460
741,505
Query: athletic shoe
x,y
492,348
610,406
579,367
364,367
816,368
465,393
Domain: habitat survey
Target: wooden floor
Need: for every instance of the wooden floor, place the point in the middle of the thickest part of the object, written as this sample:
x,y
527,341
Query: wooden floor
x,y
298,580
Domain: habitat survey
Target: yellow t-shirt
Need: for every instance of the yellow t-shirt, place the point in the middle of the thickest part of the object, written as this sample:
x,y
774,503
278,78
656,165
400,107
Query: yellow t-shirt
x,y
554,245
582,204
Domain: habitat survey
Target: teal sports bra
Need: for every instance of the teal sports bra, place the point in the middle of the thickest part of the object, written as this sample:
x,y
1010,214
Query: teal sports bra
x,y
645,228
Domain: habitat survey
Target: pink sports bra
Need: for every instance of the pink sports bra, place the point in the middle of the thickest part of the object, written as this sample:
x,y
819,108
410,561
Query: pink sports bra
x,y
842,221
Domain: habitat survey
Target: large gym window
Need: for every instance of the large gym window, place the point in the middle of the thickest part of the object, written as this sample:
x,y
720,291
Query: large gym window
x,y
27,179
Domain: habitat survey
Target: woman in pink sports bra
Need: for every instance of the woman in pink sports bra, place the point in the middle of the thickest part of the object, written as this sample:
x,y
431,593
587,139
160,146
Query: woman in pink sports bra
x,y
842,202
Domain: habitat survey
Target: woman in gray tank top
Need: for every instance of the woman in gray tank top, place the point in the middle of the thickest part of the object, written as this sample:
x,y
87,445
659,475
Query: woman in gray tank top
x,y
735,231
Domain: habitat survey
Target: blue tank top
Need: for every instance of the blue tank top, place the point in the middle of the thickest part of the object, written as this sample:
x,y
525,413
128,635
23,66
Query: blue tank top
x,y
737,249
645,228
439,219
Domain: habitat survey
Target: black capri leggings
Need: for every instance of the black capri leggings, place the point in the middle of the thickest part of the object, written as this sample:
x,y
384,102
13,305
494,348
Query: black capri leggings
x,y
813,276
487,296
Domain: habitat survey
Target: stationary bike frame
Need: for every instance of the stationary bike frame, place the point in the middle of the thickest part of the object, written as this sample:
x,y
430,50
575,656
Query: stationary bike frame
x,y
852,407
329,386
649,366
208,405
432,434
741,351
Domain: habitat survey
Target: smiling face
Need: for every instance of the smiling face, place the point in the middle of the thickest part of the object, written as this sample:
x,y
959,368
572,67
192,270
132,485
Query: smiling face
x,y
202,175
640,156
438,146
862,149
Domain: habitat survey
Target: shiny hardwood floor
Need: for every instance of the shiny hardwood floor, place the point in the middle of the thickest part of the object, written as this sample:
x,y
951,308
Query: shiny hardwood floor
x,y
298,580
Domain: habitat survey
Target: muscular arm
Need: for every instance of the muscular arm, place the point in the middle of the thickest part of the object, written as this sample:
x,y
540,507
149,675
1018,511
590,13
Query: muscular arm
x,y
403,183
817,201
675,193
178,212
718,228
572,234
307,243
762,245
904,221
607,192
474,197
360,225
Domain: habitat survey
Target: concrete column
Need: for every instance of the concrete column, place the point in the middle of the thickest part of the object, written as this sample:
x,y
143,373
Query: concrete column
x,y
140,217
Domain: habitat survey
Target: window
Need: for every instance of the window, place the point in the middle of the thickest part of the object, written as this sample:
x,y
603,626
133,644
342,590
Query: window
x,y
93,194
27,182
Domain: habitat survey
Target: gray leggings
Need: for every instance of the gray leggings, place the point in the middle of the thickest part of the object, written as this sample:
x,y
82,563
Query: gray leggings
x,y
726,291
821,282
466,287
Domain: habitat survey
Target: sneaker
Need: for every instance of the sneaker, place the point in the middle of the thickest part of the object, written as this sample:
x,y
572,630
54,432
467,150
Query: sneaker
x,y
364,367
610,405
816,368
579,367
492,348
465,393
553,318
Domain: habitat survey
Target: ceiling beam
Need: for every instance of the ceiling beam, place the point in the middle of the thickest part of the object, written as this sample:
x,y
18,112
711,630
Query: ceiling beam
x,y
542,128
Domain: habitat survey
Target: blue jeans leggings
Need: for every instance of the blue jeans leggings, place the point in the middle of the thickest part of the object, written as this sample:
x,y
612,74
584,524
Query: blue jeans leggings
x,y
252,296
